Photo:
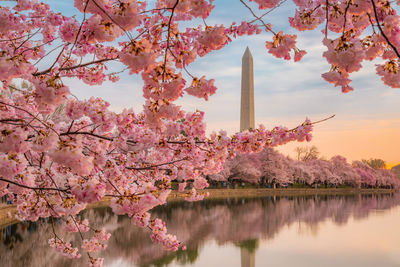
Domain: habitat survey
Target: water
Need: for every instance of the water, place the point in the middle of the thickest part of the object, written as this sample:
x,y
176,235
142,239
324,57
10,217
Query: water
x,y
275,231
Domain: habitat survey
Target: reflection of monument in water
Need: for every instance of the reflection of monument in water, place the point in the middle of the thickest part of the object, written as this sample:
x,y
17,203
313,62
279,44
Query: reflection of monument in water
x,y
248,252
247,258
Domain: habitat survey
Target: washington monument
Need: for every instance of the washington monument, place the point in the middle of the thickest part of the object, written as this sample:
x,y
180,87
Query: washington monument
x,y
247,99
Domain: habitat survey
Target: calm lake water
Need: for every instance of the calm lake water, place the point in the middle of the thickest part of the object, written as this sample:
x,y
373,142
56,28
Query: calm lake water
x,y
357,230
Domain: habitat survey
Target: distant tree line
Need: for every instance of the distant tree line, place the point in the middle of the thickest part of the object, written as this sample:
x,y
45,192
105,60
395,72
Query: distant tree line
x,y
270,168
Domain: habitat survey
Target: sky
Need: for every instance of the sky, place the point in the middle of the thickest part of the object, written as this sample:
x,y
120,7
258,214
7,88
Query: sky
x,y
367,121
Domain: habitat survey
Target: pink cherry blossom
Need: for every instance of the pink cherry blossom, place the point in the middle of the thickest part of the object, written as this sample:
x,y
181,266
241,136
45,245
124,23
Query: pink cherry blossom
x,y
202,88
64,248
281,45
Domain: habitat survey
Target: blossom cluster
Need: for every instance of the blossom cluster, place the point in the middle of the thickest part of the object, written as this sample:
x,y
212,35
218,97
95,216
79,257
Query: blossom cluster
x,y
96,243
64,248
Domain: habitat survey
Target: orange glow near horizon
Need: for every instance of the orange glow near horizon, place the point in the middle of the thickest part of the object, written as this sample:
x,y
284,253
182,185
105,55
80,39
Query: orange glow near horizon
x,y
355,140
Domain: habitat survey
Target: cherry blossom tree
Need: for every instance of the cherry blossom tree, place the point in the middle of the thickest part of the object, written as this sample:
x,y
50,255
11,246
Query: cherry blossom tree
x,y
271,167
245,167
366,173
322,172
274,167
54,164
345,171
387,179
303,172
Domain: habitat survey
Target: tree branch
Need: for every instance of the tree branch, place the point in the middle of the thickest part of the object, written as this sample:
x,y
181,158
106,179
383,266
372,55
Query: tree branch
x,y
33,188
257,17
345,17
155,166
168,38
381,30
76,66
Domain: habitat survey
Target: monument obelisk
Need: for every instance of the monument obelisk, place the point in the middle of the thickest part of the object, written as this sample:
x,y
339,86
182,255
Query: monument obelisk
x,y
247,99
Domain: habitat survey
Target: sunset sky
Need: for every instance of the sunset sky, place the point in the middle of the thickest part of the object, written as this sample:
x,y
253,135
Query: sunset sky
x,y
367,122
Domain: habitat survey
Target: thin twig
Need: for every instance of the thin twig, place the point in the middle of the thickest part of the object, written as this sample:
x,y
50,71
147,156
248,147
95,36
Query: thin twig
x,y
157,165
345,17
257,17
77,34
381,30
370,21
76,66
269,11
33,188
116,23
88,133
168,38
48,53
35,117
327,18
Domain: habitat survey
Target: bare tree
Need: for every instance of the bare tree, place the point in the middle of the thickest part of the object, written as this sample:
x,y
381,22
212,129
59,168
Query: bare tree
x,y
306,153
375,163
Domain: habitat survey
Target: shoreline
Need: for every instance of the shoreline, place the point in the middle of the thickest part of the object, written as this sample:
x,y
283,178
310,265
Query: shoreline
x,y
175,196
264,192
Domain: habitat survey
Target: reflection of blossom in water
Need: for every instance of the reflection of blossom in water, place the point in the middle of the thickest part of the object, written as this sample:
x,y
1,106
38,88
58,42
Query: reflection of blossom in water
x,y
237,221
33,250
308,229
